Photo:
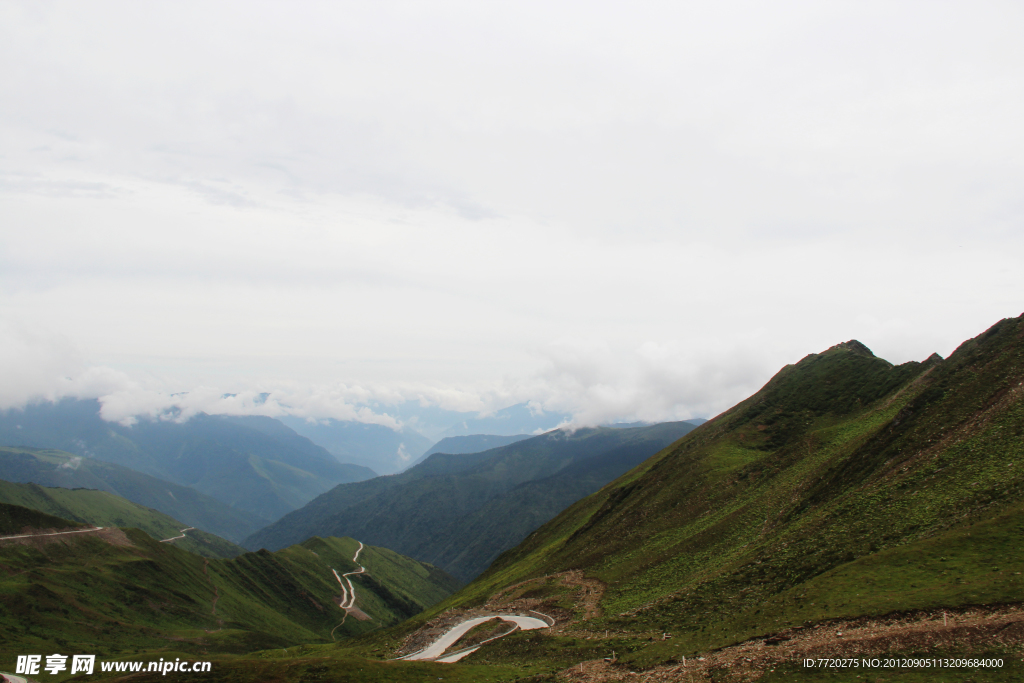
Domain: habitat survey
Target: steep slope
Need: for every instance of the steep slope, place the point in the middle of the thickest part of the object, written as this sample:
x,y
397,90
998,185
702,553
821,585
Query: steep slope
x,y
460,511
56,468
16,520
251,463
100,508
120,590
846,488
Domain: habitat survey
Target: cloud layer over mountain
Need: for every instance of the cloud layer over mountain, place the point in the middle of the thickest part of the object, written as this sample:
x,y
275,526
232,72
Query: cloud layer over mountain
x,y
620,213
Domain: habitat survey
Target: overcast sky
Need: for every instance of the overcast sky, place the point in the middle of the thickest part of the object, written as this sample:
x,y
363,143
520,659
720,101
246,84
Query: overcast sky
x,y
620,210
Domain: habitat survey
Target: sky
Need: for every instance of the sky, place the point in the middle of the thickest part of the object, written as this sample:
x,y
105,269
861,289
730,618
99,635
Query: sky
x,y
620,211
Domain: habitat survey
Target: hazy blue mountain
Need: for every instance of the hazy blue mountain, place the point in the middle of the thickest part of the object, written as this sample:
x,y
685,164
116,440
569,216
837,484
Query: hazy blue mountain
x,y
460,511
474,443
517,419
251,463
375,446
57,468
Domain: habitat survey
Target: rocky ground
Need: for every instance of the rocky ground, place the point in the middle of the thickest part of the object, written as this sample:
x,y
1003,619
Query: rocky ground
x,y
962,631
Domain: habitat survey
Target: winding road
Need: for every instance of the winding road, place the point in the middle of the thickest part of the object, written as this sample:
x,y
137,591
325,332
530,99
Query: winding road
x,y
348,595
452,635
54,533
182,532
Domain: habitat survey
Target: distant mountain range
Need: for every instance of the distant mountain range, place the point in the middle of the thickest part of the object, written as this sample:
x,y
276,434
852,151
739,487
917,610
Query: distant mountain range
x,y
100,508
849,506
474,443
375,446
254,464
57,468
517,419
460,511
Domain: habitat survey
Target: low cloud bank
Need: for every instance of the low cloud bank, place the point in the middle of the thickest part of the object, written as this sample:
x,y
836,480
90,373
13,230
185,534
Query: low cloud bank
x,y
589,380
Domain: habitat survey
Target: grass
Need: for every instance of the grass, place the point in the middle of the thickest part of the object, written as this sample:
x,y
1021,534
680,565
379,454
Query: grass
x,y
100,508
846,487
84,592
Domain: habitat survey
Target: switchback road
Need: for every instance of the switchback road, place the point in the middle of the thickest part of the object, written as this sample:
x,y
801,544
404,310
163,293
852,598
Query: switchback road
x,y
450,637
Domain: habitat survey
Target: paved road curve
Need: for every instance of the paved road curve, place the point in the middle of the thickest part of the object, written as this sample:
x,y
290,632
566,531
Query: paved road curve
x,y
437,648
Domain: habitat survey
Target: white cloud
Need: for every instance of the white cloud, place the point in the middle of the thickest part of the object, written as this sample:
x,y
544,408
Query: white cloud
x,y
349,205
34,363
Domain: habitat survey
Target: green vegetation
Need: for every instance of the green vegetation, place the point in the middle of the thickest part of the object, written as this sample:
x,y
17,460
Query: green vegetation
x,y
99,508
16,520
124,592
461,511
845,488
57,468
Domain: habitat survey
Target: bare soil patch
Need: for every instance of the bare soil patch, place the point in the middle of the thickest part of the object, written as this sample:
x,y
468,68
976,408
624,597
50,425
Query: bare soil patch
x,y
964,631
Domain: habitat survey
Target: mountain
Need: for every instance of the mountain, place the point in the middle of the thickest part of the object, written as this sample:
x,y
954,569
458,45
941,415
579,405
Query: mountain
x,y
16,520
375,446
121,591
850,508
250,463
100,508
460,511
473,443
57,468
517,419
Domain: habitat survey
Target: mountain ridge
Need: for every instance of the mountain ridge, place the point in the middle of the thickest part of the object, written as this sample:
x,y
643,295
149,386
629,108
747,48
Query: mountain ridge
x,y
845,488
448,496
251,463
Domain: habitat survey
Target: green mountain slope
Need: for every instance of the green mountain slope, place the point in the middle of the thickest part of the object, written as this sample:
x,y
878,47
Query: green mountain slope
x,y
16,520
461,511
56,468
100,508
255,464
845,488
122,591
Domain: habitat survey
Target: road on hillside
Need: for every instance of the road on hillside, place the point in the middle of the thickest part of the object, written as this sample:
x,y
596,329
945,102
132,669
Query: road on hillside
x,y
348,596
182,532
452,635
53,533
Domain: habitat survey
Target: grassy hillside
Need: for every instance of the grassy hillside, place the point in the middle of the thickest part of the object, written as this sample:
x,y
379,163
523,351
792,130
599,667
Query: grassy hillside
x,y
100,508
16,520
122,591
847,488
57,468
461,511
255,464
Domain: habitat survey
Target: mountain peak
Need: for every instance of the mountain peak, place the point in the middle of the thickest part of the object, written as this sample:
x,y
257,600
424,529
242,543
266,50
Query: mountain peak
x,y
856,347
